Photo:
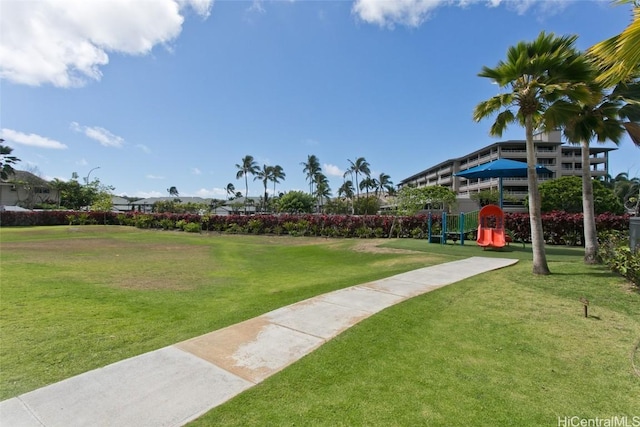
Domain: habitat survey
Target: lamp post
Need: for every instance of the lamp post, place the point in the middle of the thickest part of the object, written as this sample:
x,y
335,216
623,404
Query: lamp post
x,y
87,177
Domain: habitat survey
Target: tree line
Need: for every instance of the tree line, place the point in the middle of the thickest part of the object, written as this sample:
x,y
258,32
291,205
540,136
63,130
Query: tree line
x,y
320,192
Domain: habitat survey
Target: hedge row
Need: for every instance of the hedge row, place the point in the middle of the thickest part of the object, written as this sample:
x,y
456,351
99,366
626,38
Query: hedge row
x,y
559,227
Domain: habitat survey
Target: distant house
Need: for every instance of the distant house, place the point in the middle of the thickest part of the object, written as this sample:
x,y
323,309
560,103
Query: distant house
x,y
120,204
146,205
27,190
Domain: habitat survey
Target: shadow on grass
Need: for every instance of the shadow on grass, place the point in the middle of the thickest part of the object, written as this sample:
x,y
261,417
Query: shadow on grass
x,y
470,248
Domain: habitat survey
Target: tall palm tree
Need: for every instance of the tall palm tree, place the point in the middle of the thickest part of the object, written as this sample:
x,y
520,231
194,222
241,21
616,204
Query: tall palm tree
x,y
231,191
277,175
323,190
599,120
265,175
247,167
347,191
360,166
618,57
367,184
312,169
383,184
537,74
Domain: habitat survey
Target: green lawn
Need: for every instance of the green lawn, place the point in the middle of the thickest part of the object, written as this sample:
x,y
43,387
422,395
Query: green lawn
x,y
74,299
503,348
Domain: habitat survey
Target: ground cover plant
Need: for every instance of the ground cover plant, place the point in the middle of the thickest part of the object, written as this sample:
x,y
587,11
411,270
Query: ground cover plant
x,y
504,348
78,298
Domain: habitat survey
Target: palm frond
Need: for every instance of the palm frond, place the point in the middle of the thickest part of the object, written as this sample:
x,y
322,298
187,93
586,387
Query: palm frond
x,y
619,57
633,129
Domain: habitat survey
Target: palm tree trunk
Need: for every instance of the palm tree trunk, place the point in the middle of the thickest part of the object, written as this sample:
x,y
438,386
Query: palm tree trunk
x,y
535,218
264,204
590,233
246,192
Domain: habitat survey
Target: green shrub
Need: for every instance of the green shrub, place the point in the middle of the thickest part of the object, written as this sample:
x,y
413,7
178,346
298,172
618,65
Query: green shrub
x,y
167,224
364,232
192,227
234,228
615,252
417,233
144,221
255,226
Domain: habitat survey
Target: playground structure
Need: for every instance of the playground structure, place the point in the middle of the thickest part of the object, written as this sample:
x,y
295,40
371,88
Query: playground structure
x,y
491,231
458,228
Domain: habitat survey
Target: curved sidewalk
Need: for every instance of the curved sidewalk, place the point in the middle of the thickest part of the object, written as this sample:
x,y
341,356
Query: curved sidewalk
x,y
176,384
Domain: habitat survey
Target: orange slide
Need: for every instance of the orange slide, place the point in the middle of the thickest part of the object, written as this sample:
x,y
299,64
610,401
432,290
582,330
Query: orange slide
x,y
491,227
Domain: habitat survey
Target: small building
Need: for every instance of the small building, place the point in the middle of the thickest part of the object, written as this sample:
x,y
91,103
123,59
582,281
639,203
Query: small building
x,y
561,159
27,190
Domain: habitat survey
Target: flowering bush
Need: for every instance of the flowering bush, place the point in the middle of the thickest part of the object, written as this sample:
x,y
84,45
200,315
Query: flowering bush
x,y
562,228
559,227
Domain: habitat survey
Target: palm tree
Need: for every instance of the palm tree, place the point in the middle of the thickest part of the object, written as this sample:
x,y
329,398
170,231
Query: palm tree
x,y
265,175
248,166
367,184
628,191
537,73
347,190
323,191
311,168
231,191
360,166
383,184
173,191
321,187
276,176
629,94
618,57
58,185
598,120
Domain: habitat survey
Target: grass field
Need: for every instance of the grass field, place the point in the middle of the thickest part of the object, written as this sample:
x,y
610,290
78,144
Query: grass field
x,y
503,348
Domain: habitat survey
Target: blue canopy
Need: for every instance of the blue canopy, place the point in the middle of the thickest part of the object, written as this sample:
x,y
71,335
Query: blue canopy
x,y
501,168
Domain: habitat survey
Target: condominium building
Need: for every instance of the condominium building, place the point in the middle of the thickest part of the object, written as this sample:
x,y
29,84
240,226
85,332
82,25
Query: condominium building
x,y
561,159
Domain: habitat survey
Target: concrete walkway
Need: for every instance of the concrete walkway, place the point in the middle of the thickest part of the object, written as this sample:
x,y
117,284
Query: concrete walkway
x,y
176,384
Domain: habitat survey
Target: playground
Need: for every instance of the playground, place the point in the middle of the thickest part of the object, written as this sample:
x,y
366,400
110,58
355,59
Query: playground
x,y
485,226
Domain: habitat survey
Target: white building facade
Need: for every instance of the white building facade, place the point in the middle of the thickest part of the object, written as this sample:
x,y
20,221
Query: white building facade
x,y
561,159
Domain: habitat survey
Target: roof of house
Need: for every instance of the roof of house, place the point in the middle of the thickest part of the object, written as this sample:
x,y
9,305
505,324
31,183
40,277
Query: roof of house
x,y
24,176
152,200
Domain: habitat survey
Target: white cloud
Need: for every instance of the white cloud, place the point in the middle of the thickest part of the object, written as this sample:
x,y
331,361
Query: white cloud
x,y
82,162
31,139
154,177
214,193
103,136
66,42
196,171
144,148
147,194
412,13
332,170
256,6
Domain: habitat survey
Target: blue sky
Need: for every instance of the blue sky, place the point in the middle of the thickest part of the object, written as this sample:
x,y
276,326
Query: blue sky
x,y
161,93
